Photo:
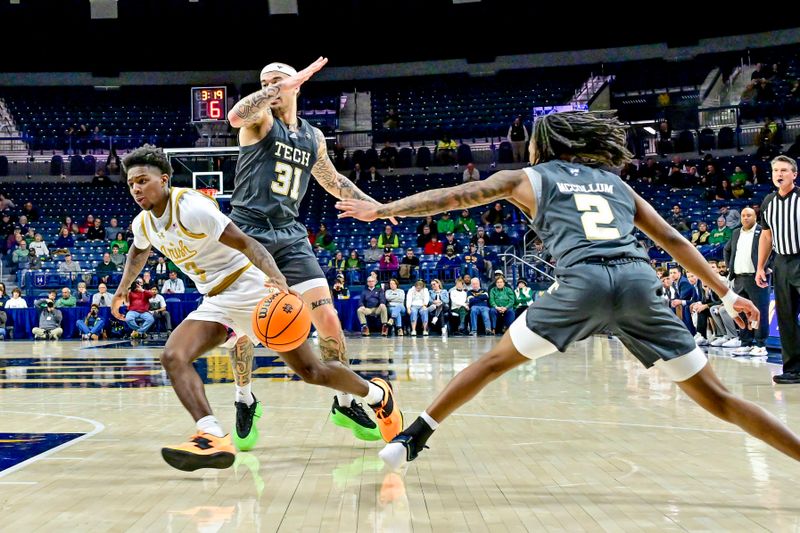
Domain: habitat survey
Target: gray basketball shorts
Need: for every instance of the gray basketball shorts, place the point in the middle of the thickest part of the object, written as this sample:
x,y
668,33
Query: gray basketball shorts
x,y
292,252
622,298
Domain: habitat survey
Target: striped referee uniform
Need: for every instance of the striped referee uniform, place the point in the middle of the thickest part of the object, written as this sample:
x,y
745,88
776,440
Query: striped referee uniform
x,y
780,216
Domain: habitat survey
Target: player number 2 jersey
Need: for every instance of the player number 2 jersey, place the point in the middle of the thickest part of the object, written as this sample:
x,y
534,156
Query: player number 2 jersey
x,y
188,234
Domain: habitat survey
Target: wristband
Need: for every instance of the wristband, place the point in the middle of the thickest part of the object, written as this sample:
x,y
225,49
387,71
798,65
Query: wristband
x,y
728,300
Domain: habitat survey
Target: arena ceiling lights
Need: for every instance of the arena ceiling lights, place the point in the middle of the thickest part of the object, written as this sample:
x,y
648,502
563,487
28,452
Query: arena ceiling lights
x,y
283,7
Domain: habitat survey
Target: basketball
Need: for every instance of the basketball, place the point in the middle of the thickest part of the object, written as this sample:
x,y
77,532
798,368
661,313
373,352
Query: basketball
x,y
281,321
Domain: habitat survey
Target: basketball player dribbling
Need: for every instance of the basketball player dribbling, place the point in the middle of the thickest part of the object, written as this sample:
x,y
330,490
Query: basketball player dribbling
x,y
586,217
279,153
231,270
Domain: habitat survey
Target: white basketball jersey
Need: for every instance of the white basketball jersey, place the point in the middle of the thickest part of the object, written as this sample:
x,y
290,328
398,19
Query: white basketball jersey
x,y
188,234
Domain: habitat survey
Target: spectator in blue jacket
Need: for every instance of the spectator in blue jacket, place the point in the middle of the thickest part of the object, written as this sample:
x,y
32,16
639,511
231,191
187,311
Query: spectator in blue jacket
x,y
372,302
478,301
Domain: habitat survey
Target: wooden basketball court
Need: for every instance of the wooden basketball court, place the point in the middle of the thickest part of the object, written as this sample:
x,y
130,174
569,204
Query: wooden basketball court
x,y
583,441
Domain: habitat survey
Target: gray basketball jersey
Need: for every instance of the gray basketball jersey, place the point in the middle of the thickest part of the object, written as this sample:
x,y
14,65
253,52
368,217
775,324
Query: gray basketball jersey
x,y
583,213
272,175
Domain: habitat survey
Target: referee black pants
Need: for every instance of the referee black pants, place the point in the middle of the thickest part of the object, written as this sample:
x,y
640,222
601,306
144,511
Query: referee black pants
x,y
745,285
786,281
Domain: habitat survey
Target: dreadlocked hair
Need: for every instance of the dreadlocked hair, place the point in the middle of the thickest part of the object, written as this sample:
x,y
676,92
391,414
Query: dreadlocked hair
x,y
148,155
591,137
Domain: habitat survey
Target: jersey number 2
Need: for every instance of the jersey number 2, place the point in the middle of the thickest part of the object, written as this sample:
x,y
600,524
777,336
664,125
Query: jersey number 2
x,y
287,180
596,211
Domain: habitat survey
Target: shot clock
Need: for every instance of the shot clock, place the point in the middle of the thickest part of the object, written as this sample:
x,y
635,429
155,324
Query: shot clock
x,y
209,104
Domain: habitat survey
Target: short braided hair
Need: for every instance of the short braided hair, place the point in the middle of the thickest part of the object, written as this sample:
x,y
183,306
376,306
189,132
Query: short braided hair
x,y
591,137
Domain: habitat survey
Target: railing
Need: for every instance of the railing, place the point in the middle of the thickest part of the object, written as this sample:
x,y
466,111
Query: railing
x,y
516,260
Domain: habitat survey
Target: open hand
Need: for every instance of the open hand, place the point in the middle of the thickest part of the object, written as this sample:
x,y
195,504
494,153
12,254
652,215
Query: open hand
x,y
303,76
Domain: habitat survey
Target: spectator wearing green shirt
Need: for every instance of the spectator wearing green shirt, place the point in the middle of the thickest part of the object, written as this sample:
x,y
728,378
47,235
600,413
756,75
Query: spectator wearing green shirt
x,y
121,243
721,234
445,225
324,240
503,301
388,238
66,300
465,224
524,297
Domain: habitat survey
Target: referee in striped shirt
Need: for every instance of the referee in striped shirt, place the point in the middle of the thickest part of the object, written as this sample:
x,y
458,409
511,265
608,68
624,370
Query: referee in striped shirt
x,y
780,214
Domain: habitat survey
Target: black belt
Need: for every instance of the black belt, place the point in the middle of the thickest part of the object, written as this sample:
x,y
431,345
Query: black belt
x,y
612,260
745,275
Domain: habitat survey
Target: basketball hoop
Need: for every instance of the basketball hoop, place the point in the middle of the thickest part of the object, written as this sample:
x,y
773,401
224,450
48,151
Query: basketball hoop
x,y
210,192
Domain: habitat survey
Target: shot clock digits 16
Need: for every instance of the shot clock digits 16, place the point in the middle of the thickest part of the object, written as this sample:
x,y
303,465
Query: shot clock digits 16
x,y
209,104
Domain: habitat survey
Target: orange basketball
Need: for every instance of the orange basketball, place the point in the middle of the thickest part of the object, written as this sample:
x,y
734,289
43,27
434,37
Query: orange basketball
x,y
281,321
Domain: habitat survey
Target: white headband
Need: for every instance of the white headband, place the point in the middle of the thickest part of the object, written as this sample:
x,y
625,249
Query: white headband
x,y
278,67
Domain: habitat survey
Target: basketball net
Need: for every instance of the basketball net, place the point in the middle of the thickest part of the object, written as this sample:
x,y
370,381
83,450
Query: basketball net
x,y
210,192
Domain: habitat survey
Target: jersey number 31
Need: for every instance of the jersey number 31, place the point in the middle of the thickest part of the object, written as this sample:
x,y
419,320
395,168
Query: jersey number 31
x,y
596,211
287,180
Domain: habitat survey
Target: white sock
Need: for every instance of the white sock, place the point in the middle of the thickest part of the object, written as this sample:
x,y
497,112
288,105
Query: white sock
x,y
209,424
345,399
245,394
375,394
433,424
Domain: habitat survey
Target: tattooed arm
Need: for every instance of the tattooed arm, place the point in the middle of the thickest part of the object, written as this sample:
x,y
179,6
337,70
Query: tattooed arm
x,y
253,109
255,252
506,184
330,179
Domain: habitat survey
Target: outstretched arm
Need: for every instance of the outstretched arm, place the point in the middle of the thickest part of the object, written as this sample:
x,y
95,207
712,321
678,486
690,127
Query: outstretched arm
x,y
668,238
499,185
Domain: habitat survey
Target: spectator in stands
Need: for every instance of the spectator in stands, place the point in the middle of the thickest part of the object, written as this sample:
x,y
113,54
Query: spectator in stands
x,y
373,175
353,262
120,242
794,150
700,235
465,224
518,137
112,229
677,179
429,222
664,136
388,238
49,323
339,289
113,164
92,325
388,261
388,155
723,191
495,215
396,300
458,304
158,308
480,233
64,242
759,176
41,303
102,298
39,246
523,297
701,314
721,234
139,310
30,236
503,301
373,253
22,224
356,174
161,271
174,285
6,225
486,254
16,301
87,223
445,224
105,268
733,219
439,307
372,302
433,247
417,301
471,173
30,212
6,203
19,258
97,232
3,296
473,263
117,257
81,294
425,237
100,179
69,268
67,299
323,240
677,220
336,265
499,237
450,240
478,301
392,120
448,264
446,150
34,261
408,265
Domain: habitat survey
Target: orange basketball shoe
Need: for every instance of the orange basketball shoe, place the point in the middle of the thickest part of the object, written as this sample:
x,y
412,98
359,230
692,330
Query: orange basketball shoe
x,y
390,418
202,451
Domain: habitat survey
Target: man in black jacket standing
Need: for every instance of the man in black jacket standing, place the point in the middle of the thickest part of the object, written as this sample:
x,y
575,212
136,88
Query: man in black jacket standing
x,y
741,256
